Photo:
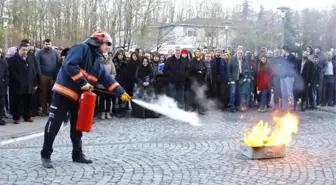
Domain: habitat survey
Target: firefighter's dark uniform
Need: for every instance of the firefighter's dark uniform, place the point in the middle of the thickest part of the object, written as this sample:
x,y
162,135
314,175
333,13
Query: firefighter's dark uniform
x,y
83,65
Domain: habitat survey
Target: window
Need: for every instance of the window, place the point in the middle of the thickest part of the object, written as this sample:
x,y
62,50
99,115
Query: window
x,y
190,32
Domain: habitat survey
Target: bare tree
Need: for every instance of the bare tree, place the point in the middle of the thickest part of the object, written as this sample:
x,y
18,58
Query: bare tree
x,y
67,22
163,36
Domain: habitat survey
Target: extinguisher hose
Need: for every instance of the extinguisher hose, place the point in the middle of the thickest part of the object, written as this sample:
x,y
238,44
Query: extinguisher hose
x,y
102,91
106,92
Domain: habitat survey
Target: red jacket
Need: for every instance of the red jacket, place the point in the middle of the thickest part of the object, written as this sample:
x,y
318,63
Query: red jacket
x,y
264,79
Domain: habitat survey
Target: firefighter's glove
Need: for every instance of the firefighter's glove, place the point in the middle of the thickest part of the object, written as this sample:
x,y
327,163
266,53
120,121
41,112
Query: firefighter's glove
x,y
87,87
125,97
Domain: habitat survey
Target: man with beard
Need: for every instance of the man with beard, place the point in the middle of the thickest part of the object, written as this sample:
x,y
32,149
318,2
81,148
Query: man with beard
x,y
196,74
305,69
322,62
47,58
219,78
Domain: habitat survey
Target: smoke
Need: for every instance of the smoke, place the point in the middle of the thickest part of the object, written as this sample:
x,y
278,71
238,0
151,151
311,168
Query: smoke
x,y
283,68
168,107
201,97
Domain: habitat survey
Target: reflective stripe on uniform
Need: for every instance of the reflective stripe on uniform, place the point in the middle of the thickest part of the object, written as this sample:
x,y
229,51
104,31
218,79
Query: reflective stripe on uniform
x,y
88,75
113,86
66,91
48,127
53,107
77,76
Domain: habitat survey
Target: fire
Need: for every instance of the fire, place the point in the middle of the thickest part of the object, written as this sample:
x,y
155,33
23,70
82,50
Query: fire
x,y
263,135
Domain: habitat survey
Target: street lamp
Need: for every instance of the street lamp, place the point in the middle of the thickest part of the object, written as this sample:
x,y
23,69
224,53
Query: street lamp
x,y
283,10
5,20
226,36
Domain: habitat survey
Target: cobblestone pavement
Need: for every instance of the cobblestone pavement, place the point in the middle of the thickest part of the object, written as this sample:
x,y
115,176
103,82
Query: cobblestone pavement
x,y
163,151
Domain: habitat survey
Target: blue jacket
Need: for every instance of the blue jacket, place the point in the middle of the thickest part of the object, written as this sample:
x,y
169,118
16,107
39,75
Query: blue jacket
x,y
222,70
316,75
83,65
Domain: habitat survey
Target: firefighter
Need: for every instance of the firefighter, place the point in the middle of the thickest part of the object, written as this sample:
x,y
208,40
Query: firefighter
x,y
82,69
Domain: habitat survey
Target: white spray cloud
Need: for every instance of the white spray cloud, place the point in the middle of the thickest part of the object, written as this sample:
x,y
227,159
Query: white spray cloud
x,y
167,106
201,97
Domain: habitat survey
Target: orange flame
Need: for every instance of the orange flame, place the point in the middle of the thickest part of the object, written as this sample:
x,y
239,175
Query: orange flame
x,y
263,135
243,108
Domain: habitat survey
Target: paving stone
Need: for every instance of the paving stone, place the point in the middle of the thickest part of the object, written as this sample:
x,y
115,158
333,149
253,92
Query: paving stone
x,y
163,151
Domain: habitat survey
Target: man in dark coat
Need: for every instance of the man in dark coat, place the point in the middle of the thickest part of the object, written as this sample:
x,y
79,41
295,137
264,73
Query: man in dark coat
x,y
305,69
175,70
219,78
22,83
3,88
31,56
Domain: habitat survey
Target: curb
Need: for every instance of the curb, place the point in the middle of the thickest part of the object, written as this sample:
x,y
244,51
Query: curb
x,y
27,137
326,110
20,134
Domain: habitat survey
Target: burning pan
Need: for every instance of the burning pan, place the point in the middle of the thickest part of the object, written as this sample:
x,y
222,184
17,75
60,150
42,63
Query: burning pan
x,y
263,152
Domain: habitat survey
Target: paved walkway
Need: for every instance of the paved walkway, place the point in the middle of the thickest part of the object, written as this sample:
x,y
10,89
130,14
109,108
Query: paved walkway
x,y
163,151
11,130
327,109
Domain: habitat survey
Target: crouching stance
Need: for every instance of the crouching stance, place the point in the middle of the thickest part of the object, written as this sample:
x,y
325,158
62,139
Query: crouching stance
x,y
82,69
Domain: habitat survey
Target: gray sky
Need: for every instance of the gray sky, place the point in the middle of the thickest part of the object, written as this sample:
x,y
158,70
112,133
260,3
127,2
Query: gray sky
x,y
300,4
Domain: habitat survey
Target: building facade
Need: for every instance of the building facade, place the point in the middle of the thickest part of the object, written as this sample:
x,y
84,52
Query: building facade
x,y
199,32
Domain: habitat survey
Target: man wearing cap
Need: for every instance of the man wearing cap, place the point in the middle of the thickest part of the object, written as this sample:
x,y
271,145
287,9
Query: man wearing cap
x,y
82,69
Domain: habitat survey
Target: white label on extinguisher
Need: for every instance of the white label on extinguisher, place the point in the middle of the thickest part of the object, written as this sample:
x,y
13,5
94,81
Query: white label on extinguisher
x,y
82,96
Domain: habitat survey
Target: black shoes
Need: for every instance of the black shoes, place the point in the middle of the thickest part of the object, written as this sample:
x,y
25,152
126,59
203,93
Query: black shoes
x,y
80,158
303,109
2,122
46,163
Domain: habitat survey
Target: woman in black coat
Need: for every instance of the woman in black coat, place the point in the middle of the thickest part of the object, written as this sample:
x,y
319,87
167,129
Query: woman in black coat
x,y
120,63
132,65
3,88
144,91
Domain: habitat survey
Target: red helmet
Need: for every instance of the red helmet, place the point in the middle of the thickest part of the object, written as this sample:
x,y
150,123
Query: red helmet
x,y
102,37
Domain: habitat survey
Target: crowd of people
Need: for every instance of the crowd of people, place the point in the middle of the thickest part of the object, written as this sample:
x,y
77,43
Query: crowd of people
x,y
235,80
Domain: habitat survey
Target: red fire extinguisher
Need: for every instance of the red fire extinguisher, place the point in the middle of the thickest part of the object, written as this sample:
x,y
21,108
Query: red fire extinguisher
x,y
87,104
